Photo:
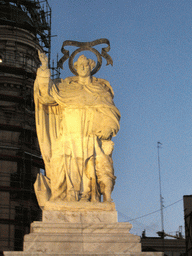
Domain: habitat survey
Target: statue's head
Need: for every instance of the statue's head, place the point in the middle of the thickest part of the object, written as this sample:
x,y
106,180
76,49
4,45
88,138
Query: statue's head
x,y
84,66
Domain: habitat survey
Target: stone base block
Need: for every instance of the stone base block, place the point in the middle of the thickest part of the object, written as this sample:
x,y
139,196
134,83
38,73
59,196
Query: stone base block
x,y
78,228
79,206
81,233
84,254
80,216
79,238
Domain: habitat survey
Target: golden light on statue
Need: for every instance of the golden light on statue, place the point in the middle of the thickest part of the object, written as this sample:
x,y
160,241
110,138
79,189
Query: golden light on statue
x,y
76,119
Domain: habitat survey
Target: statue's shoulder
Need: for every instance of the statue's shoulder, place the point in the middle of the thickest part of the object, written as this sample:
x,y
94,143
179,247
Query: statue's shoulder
x,y
70,79
64,82
60,80
57,81
104,83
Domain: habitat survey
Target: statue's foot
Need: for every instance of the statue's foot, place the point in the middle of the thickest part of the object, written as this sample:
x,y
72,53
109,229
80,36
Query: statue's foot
x,y
70,198
108,200
85,197
56,200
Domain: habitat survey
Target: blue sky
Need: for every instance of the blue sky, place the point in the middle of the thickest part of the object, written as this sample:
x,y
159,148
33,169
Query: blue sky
x,y
151,42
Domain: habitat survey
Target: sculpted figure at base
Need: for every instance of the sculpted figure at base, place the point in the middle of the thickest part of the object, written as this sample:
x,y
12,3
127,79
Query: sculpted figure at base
x,y
75,121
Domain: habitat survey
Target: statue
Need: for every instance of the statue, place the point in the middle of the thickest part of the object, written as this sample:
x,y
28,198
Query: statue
x,y
75,120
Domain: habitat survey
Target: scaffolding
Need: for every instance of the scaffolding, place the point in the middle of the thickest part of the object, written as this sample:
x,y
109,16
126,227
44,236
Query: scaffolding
x,y
33,15
25,27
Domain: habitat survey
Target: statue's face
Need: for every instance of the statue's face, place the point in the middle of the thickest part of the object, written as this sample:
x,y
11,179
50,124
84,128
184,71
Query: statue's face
x,y
83,68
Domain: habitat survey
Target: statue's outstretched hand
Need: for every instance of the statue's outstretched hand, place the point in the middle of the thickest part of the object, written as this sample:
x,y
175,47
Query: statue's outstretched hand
x,y
43,58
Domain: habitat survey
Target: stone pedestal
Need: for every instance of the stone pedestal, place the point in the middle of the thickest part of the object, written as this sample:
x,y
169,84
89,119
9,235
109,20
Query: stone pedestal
x,y
81,231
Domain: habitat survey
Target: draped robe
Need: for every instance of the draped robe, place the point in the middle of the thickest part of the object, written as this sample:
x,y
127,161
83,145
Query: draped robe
x,y
75,123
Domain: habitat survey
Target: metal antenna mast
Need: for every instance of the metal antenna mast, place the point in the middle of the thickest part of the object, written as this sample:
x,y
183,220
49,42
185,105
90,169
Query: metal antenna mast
x,y
161,198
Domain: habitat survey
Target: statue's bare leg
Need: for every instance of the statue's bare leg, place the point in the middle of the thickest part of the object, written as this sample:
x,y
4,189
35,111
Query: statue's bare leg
x,y
107,191
85,188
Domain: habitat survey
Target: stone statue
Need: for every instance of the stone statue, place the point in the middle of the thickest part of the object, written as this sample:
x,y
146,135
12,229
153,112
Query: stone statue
x,y
75,121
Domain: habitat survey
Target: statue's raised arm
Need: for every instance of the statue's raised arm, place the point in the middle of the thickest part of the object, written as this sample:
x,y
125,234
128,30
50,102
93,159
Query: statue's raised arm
x,y
44,60
76,120
43,81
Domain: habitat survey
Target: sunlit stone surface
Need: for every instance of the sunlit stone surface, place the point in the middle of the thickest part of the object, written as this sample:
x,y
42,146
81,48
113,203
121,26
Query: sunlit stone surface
x,y
76,119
